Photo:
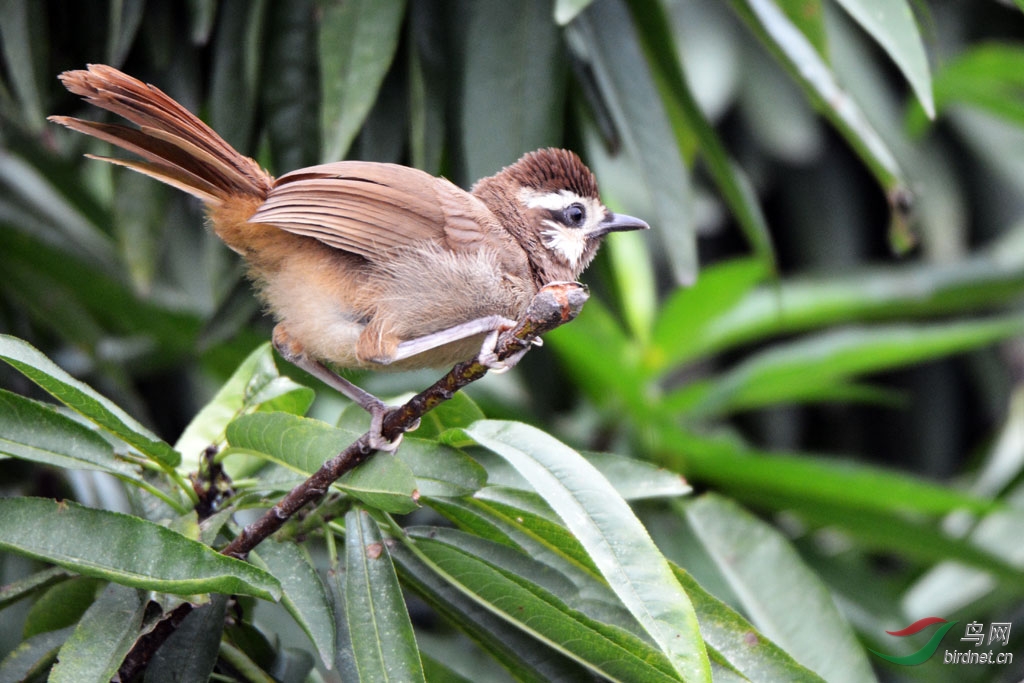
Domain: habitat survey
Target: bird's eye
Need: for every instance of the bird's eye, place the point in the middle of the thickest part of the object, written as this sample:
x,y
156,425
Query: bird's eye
x,y
575,215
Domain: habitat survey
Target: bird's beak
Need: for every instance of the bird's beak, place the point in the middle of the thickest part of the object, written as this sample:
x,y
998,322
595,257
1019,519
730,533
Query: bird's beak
x,y
617,222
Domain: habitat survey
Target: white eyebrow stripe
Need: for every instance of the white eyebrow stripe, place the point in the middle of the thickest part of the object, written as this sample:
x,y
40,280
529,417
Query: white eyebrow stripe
x,y
552,201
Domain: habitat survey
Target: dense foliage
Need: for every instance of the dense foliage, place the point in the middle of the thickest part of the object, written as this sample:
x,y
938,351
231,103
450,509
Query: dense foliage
x,y
787,421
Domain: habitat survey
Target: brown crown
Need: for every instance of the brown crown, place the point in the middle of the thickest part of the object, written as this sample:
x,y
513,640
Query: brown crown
x,y
550,170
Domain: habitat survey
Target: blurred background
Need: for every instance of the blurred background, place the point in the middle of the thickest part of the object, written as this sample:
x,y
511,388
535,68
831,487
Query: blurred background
x,y
823,325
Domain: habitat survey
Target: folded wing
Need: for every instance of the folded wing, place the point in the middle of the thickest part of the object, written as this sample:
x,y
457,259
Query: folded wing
x,y
371,209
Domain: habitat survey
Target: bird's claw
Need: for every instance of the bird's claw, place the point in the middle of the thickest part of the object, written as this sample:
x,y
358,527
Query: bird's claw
x,y
489,356
376,439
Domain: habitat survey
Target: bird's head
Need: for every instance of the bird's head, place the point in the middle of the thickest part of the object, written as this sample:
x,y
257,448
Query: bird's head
x,y
549,201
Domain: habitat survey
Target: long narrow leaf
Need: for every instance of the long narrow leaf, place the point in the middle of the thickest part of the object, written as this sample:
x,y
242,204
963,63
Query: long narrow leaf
x,y
803,62
124,549
891,23
102,638
303,445
604,39
303,593
502,577
781,478
255,384
992,278
784,598
382,637
661,52
35,432
517,651
732,637
613,536
804,368
84,399
357,42
507,49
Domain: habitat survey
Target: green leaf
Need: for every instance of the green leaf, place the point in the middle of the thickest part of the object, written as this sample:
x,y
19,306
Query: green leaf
x,y
84,399
429,74
566,10
124,549
440,470
659,44
17,590
634,280
613,536
912,537
33,431
809,17
596,334
989,76
290,85
523,520
61,605
507,50
782,479
303,593
785,599
796,53
892,24
77,233
515,522
102,638
686,315
604,38
357,42
191,652
124,19
801,370
303,445
992,278
255,385
23,37
501,577
733,638
511,647
382,637
235,70
30,660
97,302
635,479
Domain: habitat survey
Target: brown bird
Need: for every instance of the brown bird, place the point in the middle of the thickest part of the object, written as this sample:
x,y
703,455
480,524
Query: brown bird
x,y
363,264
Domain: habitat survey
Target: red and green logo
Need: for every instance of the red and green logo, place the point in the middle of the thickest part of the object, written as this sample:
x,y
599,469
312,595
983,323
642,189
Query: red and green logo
x,y
930,647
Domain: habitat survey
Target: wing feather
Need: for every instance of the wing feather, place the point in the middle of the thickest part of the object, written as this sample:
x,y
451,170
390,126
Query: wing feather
x,y
370,208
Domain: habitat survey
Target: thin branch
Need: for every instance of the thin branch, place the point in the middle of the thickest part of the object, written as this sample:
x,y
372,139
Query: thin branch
x,y
554,305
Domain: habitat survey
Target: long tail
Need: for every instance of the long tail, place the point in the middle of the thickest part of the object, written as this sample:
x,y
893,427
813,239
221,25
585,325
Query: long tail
x,y
176,147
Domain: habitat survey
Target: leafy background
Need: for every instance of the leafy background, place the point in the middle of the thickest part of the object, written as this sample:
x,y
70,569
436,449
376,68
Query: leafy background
x,y
821,333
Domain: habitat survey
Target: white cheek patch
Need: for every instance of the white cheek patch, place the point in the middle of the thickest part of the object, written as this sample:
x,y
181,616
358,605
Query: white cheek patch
x,y
569,243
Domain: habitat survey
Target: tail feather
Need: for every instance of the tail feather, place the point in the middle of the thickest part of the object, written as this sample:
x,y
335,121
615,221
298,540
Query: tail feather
x,y
182,174
176,147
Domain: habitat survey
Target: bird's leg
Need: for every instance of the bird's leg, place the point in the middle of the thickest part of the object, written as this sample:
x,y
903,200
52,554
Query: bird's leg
x,y
293,352
492,324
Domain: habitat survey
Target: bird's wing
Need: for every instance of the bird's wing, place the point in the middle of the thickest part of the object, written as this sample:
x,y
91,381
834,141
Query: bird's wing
x,y
371,208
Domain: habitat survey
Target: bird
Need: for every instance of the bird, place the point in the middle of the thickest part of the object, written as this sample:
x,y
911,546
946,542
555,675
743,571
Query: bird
x,y
367,265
